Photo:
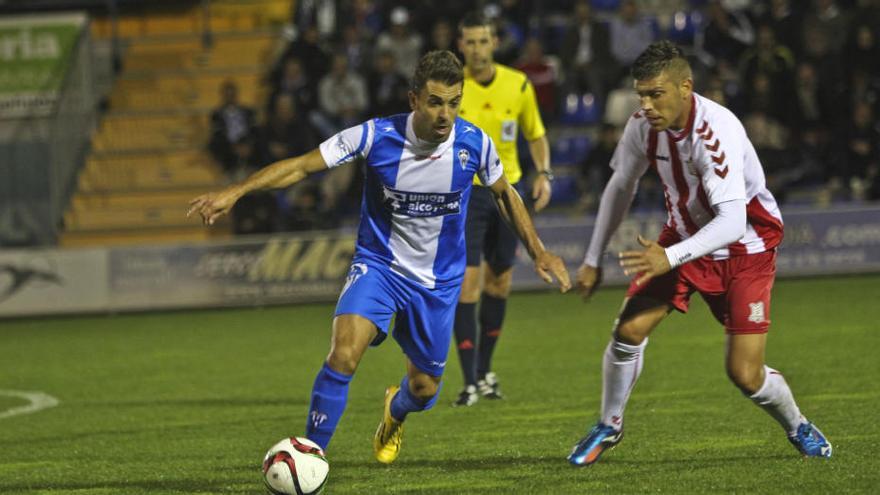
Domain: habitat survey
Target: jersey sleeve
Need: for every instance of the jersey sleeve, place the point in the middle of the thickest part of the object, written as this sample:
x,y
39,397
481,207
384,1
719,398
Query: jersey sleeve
x,y
719,157
349,144
490,169
630,160
530,117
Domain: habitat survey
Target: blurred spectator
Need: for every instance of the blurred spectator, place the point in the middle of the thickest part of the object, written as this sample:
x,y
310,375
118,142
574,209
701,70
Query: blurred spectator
x,y
861,138
367,15
286,133
302,210
511,35
630,33
595,170
294,81
826,18
863,51
322,15
388,89
442,37
727,33
309,49
357,48
785,23
811,105
776,62
342,96
400,40
232,130
542,71
828,69
586,55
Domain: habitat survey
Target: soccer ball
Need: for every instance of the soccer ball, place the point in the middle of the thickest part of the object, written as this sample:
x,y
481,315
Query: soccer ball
x,y
295,466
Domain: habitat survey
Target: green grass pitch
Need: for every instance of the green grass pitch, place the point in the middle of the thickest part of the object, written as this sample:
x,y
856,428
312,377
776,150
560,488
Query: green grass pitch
x,y
188,402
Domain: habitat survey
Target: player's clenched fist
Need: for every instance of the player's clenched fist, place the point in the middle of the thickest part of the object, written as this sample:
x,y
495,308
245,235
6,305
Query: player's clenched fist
x,y
588,279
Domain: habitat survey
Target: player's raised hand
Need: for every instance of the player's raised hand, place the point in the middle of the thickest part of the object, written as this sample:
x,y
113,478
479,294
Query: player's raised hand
x,y
588,280
541,192
648,263
548,266
213,205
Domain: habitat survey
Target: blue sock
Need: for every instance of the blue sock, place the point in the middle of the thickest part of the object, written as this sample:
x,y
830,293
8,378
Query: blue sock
x,y
405,402
329,395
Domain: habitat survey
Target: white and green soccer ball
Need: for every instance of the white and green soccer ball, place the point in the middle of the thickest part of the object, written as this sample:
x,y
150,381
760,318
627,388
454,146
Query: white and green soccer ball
x,y
295,466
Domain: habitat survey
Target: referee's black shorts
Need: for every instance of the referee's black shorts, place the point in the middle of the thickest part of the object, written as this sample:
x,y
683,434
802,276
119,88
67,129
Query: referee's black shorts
x,y
487,234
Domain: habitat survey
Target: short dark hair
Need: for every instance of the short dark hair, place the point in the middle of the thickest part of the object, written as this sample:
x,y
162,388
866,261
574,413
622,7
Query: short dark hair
x,y
437,65
475,19
658,57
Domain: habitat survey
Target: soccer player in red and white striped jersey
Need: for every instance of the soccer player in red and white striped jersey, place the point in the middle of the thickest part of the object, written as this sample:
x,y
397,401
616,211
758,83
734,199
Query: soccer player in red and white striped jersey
x,y
720,239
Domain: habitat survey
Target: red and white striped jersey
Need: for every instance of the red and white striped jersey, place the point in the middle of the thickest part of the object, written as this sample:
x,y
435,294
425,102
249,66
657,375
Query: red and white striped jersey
x,y
708,162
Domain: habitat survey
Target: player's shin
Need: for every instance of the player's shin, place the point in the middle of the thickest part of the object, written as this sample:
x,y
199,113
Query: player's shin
x,y
466,340
775,397
329,396
492,311
621,366
406,402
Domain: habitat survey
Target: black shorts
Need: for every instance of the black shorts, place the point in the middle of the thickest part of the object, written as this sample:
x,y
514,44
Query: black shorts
x,y
487,234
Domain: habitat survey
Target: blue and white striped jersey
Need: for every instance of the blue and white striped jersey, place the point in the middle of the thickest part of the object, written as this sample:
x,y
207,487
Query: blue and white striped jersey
x,y
415,194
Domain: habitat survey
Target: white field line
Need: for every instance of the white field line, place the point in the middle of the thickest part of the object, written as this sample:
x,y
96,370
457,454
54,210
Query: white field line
x,y
38,401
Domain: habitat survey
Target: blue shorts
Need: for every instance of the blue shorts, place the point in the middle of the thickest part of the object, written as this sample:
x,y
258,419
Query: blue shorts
x,y
423,326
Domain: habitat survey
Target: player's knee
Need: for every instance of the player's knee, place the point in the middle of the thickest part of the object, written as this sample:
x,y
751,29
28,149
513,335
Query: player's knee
x,y
499,285
470,287
343,359
630,332
746,377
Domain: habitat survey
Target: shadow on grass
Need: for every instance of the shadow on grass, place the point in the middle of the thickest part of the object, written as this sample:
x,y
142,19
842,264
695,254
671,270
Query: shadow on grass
x,y
179,485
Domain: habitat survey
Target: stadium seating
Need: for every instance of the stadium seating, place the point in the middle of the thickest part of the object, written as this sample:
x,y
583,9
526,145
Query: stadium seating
x,y
148,156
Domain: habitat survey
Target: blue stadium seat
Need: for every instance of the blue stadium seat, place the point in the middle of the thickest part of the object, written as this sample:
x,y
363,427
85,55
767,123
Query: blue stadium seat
x,y
684,27
565,189
581,109
606,5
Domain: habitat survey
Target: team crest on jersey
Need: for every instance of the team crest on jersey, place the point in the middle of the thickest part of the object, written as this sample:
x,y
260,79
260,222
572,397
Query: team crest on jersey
x,y
756,312
463,157
357,271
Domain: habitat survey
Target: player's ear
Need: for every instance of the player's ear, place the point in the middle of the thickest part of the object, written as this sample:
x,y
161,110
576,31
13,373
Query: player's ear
x,y
686,87
413,100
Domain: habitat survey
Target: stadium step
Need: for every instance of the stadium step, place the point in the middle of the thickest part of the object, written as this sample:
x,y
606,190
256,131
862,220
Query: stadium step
x,y
122,218
225,16
144,236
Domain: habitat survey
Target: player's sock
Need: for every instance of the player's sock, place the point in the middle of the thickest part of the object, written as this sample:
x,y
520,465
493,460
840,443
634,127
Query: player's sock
x,y
329,395
775,397
621,367
491,317
405,402
466,340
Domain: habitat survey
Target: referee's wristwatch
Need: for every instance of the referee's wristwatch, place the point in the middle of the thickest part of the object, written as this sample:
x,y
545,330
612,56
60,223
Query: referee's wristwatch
x,y
548,174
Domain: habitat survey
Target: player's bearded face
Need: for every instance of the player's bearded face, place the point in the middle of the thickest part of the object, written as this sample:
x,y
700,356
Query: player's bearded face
x,y
435,108
664,101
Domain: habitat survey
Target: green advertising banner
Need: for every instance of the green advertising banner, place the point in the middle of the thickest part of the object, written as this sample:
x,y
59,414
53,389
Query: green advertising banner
x,y
35,52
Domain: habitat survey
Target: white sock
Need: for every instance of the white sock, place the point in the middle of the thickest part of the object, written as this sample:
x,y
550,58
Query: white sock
x,y
621,367
775,397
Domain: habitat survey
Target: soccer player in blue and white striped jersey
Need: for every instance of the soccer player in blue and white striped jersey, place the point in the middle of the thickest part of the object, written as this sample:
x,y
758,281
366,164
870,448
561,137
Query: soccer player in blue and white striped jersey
x,y
410,255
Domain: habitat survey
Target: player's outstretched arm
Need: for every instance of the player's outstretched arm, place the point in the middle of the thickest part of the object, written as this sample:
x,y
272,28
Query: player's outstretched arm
x,y
547,264
280,174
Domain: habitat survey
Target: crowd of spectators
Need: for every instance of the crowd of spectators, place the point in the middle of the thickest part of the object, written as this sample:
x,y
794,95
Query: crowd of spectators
x,y
804,78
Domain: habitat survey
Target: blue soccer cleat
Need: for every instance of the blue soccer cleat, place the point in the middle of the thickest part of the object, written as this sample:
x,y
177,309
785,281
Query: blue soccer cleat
x,y
810,441
601,438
